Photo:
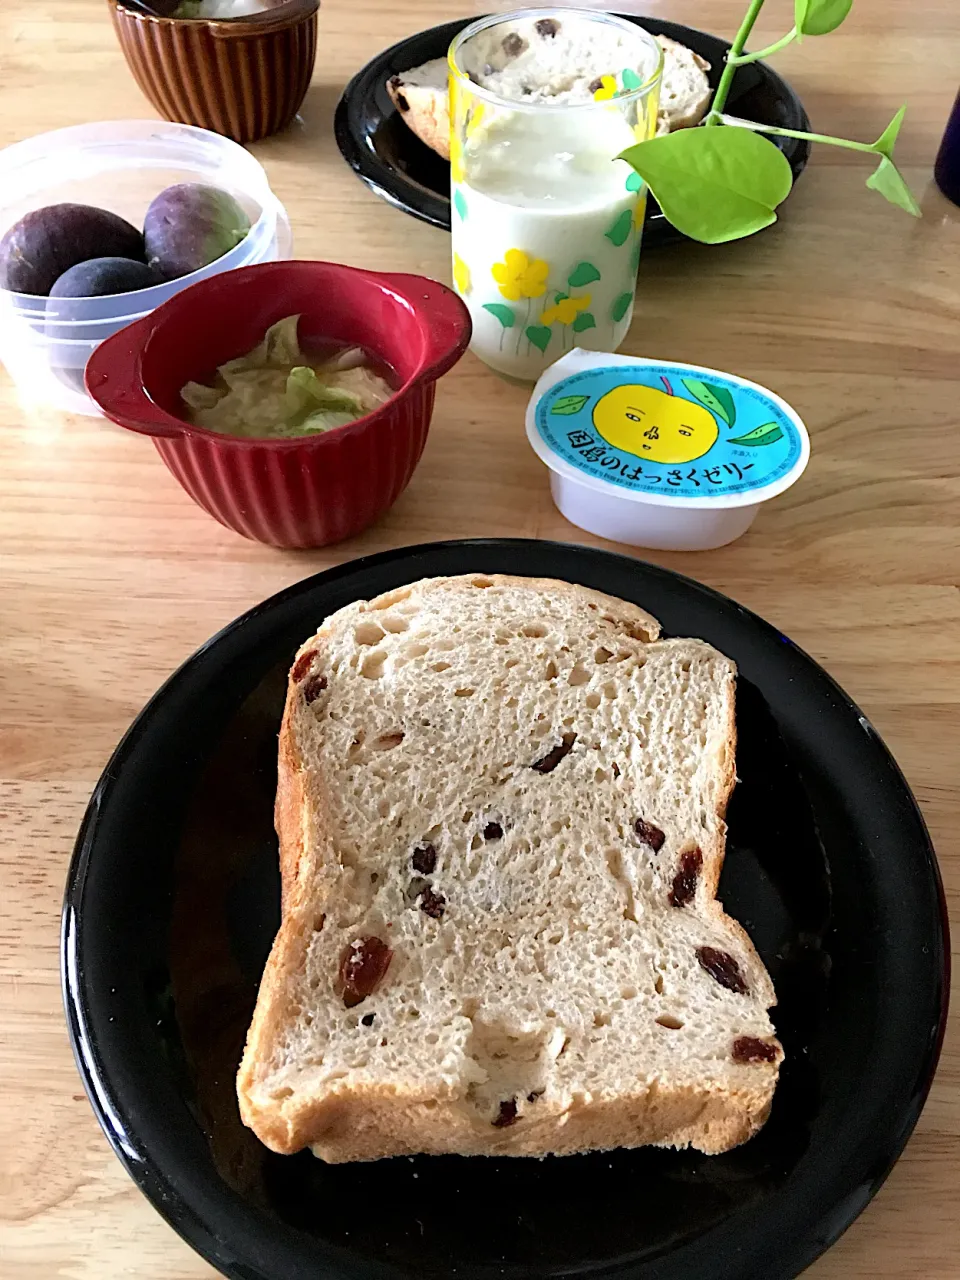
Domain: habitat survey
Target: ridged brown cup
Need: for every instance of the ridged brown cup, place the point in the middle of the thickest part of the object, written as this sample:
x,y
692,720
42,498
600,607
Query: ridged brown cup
x,y
242,77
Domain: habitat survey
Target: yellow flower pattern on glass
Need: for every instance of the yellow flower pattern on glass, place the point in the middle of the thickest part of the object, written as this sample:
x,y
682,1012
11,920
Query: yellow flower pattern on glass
x,y
647,118
566,310
640,211
520,276
461,275
607,90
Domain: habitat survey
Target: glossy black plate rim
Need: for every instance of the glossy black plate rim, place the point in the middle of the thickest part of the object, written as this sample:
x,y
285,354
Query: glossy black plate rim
x,y
427,206
228,1232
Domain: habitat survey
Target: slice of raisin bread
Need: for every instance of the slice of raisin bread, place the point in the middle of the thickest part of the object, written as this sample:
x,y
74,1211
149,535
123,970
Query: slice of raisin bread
x,y
500,811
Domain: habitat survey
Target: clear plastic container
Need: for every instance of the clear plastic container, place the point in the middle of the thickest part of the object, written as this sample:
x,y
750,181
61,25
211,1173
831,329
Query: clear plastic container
x,y
119,165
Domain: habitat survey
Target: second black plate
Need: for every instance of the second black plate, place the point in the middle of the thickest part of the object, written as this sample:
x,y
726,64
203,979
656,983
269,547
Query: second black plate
x,y
394,163
173,900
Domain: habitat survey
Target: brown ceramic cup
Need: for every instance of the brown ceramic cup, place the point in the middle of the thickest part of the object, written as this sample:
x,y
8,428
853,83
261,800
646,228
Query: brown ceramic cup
x,y
242,77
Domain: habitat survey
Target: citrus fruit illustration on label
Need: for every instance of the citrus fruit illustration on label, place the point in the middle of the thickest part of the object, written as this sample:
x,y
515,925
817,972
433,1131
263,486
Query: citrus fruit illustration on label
x,y
653,424
672,430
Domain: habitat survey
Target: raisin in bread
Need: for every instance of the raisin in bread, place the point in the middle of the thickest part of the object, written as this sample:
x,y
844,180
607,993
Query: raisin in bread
x,y
500,811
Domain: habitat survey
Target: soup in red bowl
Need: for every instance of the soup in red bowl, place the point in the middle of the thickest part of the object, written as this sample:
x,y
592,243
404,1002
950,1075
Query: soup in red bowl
x,y
304,491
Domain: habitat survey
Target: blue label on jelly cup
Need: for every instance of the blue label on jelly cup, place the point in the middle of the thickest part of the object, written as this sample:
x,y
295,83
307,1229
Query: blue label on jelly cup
x,y
669,430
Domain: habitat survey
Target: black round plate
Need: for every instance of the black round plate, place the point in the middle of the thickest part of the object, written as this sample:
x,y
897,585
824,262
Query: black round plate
x,y
173,899
394,163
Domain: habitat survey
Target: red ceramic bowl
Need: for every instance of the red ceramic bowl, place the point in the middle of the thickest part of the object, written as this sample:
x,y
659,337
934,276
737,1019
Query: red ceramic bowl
x,y
304,492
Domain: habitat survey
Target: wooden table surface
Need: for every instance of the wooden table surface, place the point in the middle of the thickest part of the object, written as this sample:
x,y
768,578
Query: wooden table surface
x,y
111,577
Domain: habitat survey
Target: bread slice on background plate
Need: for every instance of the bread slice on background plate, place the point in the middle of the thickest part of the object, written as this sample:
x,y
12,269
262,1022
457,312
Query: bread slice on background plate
x,y
685,91
500,811
420,95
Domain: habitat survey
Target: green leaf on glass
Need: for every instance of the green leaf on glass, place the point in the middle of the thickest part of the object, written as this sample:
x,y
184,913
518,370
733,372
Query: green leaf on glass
x,y
504,314
620,306
583,322
714,185
539,335
621,225
583,273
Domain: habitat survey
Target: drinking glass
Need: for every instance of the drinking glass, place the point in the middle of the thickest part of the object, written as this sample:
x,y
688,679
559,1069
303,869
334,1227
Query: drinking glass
x,y
547,222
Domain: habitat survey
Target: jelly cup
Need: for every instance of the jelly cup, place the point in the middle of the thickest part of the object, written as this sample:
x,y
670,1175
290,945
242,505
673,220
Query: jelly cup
x,y
310,490
660,454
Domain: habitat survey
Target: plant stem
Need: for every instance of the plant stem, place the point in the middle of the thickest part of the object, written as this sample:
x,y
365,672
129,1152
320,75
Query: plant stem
x,y
736,49
777,45
797,133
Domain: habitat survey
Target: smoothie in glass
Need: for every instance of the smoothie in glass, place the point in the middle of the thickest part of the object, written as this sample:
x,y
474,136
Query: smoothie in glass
x,y
546,221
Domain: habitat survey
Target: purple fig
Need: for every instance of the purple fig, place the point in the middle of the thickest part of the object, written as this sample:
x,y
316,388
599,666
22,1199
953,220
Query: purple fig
x,y
38,249
189,226
101,276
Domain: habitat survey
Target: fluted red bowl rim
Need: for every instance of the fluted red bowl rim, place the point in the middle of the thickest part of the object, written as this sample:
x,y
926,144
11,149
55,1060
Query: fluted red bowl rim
x,y
118,374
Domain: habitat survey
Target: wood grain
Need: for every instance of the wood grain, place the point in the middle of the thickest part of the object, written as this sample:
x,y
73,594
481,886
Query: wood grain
x,y
111,576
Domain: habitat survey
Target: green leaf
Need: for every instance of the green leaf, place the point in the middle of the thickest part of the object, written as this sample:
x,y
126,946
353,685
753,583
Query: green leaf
x,y
769,433
624,221
717,399
634,181
504,314
630,80
818,17
582,274
620,306
887,179
583,322
539,335
568,405
560,297
714,184
460,204
885,143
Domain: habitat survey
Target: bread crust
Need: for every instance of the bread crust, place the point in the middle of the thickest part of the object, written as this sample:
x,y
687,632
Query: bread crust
x,y
358,1120
672,118
425,110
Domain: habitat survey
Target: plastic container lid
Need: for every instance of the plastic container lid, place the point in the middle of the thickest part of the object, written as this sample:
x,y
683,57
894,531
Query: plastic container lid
x,y
120,165
662,454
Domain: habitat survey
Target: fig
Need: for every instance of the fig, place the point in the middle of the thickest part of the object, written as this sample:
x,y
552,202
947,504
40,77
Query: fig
x,y
38,249
101,276
189,226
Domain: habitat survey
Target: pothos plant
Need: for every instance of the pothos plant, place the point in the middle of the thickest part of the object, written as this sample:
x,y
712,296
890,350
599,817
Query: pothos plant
x,y
724,180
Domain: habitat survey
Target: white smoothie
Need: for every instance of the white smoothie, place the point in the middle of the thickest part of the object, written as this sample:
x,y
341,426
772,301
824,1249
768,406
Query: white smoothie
x,y
546,229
